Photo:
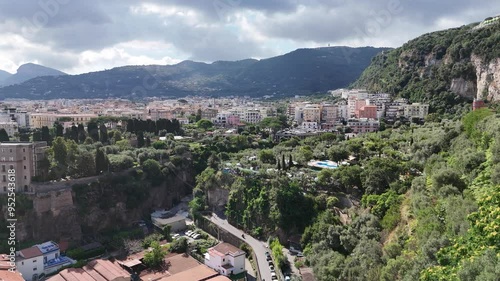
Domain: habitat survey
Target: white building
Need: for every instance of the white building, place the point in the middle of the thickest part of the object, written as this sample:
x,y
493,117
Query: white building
x,y
225,259
10,127
415,110
40,260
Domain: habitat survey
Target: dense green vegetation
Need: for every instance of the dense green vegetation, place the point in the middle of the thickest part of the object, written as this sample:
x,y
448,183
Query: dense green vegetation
x,y
416,203
423,68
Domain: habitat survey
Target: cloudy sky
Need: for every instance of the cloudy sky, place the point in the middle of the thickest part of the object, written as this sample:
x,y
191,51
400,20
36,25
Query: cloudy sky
x,y
79,36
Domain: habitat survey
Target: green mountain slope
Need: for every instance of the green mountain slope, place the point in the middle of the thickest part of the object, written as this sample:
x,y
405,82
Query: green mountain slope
x,y
303,71
442,67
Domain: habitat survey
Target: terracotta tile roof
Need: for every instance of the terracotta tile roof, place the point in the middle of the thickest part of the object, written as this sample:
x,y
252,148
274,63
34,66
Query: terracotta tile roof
x,y
96,270
181,262
228,249
201,272
32,252
6,275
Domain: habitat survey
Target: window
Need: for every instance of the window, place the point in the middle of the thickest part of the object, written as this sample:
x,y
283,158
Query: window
x,y
4,189
24,157
34,268
11,167
24,150
3,168
24,177
34,261
4,178
25,167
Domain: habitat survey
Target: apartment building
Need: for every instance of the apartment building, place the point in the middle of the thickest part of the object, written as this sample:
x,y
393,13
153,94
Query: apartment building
x,y
24,158
367,111
415,110
311,113
252,116
363,125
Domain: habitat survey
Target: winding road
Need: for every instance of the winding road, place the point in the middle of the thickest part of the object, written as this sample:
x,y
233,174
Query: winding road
x,y
258,246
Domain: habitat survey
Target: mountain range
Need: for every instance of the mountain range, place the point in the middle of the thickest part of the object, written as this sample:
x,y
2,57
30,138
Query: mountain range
x,y
26,72
300,72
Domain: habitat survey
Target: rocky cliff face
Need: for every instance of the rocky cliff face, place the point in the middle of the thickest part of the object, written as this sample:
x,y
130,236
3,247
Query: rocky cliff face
x,y
488,78
442,68
60,215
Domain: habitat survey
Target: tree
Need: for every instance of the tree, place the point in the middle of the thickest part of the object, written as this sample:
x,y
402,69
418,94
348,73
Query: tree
x,y
283,163
204,124
179,245
59,130
74,133
93,130
46,134
81,133
60,151
153,170
167,230
37,135
103,134
140,139
154,258
267,156
3,135
338,153
101,161
85,164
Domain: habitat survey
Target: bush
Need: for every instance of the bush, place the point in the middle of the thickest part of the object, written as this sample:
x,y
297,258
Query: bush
x,y
179,245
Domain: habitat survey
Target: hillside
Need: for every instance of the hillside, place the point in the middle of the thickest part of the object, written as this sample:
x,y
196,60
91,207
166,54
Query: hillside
x,y
303,71
438,66
26,72
3,75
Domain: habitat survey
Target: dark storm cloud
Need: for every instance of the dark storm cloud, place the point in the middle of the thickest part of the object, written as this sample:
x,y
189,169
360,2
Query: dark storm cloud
x,y
211,30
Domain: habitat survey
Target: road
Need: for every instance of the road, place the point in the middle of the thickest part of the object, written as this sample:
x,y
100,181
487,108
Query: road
x,y
258,246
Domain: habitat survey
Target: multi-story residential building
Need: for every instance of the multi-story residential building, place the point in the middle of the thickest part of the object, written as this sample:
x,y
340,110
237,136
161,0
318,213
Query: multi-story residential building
x,y
363,125
311,113
343,111
209,113
225,259
329,113
40,260
252,116
415,110
233,120
368,111
24,158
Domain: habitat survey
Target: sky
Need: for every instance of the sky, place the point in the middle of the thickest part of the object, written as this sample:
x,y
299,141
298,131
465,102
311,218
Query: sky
x,y
79,36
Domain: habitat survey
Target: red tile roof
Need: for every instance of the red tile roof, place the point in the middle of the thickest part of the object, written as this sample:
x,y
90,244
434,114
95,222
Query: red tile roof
x,y
6,275
32,252
96,270
201,272
228,249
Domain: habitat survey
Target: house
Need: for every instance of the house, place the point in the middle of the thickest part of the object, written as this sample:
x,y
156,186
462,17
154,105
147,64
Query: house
x,y
41,260
226,259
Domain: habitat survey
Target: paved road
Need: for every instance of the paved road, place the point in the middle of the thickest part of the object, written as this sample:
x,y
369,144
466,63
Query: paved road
x,y
258,246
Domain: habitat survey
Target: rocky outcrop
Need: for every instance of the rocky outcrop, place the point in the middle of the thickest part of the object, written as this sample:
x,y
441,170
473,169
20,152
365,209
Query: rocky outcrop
x,y
488,78
463,87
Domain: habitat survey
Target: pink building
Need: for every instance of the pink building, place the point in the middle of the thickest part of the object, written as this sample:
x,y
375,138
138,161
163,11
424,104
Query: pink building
x,y
368,111
233,120
358,105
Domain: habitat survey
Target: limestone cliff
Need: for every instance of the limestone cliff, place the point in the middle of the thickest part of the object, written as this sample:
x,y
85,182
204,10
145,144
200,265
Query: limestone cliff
x,y
442,68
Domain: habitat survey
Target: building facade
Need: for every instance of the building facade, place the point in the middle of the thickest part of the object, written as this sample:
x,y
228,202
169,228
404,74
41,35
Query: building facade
x,y
225,259
20,161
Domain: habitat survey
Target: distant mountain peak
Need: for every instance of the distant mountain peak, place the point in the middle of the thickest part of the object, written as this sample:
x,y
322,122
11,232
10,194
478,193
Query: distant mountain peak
x,y
26,72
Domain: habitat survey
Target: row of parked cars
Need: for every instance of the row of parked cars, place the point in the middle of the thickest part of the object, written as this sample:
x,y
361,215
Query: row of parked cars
x,y
193,234
271,266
